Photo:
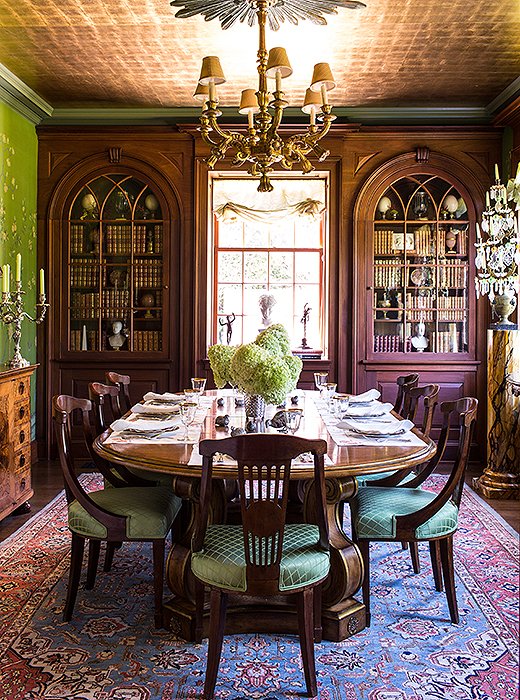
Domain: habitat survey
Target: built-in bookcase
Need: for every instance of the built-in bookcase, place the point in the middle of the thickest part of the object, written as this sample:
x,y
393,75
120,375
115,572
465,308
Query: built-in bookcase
x,y
420,268
116,266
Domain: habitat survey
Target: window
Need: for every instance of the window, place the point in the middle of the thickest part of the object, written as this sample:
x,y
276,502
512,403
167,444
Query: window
x,y
270,251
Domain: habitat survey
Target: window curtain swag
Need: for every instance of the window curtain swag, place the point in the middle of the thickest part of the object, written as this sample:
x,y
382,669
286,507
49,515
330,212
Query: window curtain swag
x,y
231,211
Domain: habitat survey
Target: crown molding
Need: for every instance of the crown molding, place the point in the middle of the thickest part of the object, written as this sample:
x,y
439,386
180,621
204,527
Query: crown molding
x,y
175,115
501,101
15,93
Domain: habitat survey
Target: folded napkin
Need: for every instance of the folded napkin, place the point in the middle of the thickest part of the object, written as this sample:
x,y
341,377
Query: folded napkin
x,y
376,428
144,425
151,408
165,398
370,395
376,408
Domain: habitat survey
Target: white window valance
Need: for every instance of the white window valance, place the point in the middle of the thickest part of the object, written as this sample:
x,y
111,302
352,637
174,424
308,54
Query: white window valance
x,y
230,211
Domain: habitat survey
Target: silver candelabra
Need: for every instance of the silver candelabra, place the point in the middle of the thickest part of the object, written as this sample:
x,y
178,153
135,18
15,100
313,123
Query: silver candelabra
x,y
12,313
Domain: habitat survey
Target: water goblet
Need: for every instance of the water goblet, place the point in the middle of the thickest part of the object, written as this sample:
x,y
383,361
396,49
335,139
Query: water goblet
x,y
192,395
319,379
340,405
292,417
328,389
187,410
199,384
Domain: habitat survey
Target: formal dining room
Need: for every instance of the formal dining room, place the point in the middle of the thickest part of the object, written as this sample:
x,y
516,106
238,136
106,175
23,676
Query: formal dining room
x,y
259,349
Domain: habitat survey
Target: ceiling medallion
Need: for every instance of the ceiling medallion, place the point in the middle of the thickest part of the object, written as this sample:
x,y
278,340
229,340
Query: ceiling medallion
x,y
262,146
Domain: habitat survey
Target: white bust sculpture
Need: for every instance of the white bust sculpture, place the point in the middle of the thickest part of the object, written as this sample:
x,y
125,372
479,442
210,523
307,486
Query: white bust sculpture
x,y
117,339
419,341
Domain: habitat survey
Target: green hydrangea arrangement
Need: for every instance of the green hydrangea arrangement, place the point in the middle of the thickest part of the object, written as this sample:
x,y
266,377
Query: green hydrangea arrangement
x,y
265,367
220,360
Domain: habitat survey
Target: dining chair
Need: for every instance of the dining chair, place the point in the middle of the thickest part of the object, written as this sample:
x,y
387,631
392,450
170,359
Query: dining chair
x,y
264,556
412,396
111,515
409,380
412,514
122,381
103,397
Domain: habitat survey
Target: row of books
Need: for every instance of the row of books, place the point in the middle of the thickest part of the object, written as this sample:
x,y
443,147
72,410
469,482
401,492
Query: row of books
x,y
84,274
148,240
119,239
147,273
388,274
446,341
453,275
78,338
147,341
387,343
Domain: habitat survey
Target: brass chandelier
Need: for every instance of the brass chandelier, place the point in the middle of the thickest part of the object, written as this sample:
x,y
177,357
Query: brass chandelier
x,y
261,146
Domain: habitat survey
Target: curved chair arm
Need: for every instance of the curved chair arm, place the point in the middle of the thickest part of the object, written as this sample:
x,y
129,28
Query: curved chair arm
x,y
466,409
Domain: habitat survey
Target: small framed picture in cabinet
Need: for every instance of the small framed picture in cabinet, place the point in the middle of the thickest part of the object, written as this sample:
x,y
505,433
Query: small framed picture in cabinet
x,y
403,241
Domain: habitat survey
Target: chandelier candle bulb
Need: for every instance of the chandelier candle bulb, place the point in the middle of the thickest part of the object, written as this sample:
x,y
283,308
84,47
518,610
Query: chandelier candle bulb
x,y
497,174
7,278
18,275
42,282
488,201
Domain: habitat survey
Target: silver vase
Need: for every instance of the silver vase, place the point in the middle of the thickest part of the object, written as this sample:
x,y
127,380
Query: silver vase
x,y
255,407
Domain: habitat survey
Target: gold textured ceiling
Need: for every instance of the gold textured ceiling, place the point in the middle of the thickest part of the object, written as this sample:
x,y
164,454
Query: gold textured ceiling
x,y
123,53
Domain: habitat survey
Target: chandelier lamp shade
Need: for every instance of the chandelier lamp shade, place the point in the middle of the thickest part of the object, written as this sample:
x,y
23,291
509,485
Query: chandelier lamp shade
x,y
498,249
261,146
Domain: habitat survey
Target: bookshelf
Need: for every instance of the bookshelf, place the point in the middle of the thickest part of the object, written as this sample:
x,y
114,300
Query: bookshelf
x,y
116,266
419,268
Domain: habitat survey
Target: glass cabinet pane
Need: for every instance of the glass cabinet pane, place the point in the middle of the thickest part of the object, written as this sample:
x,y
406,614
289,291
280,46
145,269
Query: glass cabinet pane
x,y
420,268
115,258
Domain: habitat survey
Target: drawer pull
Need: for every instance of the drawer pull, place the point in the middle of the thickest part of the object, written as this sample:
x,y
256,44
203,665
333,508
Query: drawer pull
x,y
21,412
21,388
21,461
22,485
22,436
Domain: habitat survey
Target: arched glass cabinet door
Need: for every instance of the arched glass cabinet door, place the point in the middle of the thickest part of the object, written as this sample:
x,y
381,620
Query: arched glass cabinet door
x,y
420,268
115,258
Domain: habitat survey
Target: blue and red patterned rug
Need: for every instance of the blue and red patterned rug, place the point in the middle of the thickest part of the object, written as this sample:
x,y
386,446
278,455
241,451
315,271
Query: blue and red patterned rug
x,y
110,651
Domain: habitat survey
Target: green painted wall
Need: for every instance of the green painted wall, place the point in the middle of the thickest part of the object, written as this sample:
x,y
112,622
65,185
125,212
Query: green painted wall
x,y
18,177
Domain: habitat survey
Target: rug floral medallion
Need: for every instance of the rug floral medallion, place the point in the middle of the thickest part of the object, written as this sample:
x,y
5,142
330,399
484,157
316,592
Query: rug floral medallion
x,y
111,651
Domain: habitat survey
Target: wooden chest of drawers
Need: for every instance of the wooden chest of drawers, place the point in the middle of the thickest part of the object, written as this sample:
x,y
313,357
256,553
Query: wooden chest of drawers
x,y
15,438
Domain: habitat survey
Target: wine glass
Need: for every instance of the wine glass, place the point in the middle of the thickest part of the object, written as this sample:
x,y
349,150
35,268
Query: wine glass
x,y
328,389
187,410
192,395
198,384
292,417
340,404
319,379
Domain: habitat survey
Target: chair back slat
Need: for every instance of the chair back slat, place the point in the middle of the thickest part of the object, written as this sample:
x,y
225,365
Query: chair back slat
x,y
264,469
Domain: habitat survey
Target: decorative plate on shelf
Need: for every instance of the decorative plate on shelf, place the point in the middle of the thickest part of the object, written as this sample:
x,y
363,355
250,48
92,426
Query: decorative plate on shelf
x,y
419,276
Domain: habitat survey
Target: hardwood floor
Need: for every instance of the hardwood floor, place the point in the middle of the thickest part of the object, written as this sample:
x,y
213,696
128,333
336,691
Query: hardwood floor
x,y
47,483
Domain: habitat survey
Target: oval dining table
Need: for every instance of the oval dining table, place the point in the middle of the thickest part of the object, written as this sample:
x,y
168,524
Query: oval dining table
x,y
342,614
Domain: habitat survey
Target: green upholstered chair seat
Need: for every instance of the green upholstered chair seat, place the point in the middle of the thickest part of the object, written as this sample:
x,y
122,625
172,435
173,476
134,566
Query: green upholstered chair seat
x,y
150,512
222,561
367,478
376,507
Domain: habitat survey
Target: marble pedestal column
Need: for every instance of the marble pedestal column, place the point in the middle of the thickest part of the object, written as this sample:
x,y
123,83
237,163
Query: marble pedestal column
x,y
501,477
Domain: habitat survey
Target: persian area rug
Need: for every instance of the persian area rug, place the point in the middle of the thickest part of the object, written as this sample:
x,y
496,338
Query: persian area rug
x,y
110,651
